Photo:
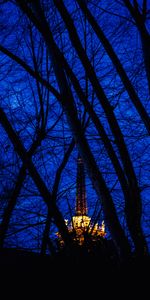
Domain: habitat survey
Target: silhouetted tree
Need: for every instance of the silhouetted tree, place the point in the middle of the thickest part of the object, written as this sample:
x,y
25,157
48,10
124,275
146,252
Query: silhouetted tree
x,y
69,56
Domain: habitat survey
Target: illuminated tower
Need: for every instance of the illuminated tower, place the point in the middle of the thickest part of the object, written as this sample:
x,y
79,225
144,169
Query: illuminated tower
x,y
81,223
81,205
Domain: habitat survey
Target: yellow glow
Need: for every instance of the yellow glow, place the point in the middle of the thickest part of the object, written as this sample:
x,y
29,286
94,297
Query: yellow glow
x,y
103,226
80,221
81,224
66,222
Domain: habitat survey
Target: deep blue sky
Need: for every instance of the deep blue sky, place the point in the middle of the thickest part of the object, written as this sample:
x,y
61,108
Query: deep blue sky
x,y
20,99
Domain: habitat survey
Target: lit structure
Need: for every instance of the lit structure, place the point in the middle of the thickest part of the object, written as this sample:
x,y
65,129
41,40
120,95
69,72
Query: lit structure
x,y
81,226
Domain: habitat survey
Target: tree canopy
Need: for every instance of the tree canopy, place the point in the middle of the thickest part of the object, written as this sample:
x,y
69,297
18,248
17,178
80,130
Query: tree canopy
x,y
74,77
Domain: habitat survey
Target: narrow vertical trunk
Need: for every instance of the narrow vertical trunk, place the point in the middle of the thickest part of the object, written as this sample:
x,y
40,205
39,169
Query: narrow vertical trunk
x,y
46,237
67,103
139,19
10,207
52,207
119,67
12,201
133,204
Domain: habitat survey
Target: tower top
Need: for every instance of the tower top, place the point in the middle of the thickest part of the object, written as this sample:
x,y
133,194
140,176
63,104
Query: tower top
x,y
81,204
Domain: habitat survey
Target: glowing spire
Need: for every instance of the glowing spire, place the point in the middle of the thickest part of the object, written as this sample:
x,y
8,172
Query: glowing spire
x,y
81,222
81,205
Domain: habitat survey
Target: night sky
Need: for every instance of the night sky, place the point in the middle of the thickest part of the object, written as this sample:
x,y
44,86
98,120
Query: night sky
x,y
53,123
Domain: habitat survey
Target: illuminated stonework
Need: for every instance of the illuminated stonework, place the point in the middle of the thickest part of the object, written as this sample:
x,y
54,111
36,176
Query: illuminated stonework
x,y
80,222
81,226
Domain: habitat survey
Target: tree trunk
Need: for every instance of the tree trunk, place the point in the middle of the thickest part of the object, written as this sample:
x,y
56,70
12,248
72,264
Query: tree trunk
x,y
67,103
11,204
52,207
133,206
144,34
119,67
